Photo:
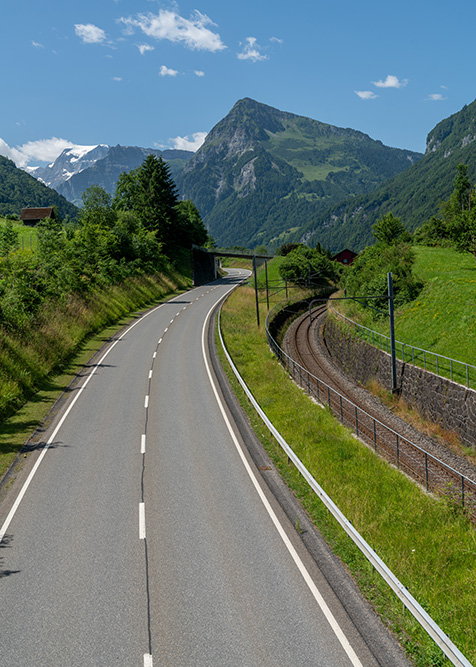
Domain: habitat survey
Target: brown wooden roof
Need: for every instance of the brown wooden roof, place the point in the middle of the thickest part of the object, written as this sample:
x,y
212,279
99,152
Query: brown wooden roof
x,y
37,213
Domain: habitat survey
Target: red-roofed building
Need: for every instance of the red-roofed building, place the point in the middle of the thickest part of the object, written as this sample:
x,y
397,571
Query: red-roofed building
x,y
345,257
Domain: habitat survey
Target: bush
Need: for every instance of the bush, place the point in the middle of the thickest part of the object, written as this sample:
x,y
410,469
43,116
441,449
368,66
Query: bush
x,y
368,274
304,265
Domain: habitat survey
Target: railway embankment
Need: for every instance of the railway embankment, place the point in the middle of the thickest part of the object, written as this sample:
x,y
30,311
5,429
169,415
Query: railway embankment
x,y
440,400
335,368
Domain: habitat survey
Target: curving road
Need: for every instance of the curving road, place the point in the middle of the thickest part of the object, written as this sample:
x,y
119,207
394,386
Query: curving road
x,y
142,534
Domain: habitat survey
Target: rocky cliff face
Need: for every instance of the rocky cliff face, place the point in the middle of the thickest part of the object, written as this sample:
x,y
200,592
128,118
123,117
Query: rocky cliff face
x,y
71,161
262,172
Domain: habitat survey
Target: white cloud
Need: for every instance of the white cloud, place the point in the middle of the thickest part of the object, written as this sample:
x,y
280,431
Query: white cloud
x,y
117,78
251,51
169,25
436,97
391,82
365,94
38,45
198,72
166,71
44,150
143,48
89,33
277,40
190,142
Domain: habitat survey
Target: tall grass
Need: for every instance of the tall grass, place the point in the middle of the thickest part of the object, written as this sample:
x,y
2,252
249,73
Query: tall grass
x,y
29,360
426,541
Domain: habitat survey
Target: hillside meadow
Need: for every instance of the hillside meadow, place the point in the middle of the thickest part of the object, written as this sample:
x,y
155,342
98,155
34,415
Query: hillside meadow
x,y
443,317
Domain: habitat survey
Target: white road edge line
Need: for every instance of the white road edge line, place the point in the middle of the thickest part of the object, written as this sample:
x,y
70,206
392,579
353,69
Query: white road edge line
x,y
51,439
142,444
148,660
142,521
295,556
146,402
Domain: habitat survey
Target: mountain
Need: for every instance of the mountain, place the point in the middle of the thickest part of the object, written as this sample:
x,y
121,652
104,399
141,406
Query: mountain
x,y
70,162
20,190
76,170
413,195
262,174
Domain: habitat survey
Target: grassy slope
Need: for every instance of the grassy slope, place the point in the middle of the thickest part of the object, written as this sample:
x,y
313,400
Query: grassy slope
x,y
428,543
27,236
443,318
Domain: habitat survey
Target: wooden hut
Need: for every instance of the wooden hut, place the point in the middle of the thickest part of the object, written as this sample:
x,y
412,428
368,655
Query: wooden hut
x,y
31,216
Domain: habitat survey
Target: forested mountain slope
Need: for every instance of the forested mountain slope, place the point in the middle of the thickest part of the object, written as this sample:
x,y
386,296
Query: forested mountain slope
x,y
413,195
19,190
262,174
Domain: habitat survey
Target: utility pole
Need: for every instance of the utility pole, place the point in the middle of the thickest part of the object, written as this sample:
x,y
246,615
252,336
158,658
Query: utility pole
x,y
256,289
267,291
392,332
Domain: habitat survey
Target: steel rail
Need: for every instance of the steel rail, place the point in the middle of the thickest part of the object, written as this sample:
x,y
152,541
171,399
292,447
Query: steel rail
x,y
435,479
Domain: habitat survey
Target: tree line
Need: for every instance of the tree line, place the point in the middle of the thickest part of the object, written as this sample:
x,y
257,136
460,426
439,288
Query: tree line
x,y
139,230
393,251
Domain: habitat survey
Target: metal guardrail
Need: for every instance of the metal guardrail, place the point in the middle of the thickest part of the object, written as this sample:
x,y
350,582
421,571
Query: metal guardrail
x,y
423,618
434,475
452,369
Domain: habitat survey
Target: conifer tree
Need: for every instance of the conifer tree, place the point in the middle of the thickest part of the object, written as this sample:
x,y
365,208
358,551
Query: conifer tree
x,y
156,198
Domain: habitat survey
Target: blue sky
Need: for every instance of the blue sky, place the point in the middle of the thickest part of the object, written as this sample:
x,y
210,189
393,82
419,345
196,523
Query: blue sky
x,y
162,74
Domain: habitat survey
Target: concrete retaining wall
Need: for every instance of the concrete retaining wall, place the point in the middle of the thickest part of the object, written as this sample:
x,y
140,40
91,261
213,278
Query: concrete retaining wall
x,y
451,405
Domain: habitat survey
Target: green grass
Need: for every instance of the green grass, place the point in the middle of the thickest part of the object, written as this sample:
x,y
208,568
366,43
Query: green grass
x,y
428,543
272,269
443,318
27,236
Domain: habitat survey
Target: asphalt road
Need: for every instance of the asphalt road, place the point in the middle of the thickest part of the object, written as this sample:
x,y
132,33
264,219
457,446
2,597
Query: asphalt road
x,y
143,537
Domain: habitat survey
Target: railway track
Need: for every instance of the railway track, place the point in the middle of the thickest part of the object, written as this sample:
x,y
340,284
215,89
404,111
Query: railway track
x,y
311,368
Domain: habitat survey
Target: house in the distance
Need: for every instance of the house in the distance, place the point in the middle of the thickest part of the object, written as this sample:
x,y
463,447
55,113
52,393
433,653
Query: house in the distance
x,y
345,256
31,216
